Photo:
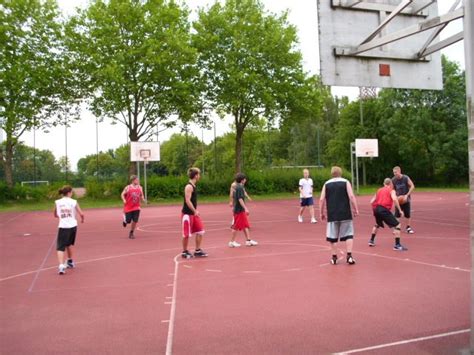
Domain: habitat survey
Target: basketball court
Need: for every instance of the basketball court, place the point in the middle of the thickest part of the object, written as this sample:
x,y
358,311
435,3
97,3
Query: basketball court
x,y
280,297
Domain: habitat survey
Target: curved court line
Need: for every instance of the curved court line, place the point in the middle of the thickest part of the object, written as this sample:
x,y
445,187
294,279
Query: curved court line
x,y
90,261
415,262
403,342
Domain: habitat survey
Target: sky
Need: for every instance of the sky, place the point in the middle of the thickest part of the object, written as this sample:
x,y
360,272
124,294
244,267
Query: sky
x,y
81,136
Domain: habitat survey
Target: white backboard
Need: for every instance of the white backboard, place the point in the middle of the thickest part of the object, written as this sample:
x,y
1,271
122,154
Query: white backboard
x,y
144,151
367,148
345,24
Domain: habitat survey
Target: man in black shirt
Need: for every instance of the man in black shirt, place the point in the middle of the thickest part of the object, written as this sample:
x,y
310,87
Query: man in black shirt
x,y
241,222
337,196
403,187
190,219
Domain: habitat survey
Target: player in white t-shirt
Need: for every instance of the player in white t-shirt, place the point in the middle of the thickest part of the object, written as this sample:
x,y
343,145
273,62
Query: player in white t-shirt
x,y
306,196
65,209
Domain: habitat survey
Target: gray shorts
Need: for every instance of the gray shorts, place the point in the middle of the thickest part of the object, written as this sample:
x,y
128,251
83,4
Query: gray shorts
x,y
339,230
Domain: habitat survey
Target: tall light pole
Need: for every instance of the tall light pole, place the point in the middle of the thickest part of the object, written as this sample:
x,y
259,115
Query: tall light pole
x,y
65,145
34,152
97,145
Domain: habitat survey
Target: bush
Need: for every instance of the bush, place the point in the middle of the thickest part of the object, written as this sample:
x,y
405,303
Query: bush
x,y
31,193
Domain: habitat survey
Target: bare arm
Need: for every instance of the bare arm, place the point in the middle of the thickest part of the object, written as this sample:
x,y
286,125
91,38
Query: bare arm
x,y
122,195
322,204
79,211
393,194
411,185
373,199
247,196
188,192
242,203
142,194
231,195
55,213
352,198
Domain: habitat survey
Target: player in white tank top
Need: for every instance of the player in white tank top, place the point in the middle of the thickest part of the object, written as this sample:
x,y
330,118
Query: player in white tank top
x,y
66,209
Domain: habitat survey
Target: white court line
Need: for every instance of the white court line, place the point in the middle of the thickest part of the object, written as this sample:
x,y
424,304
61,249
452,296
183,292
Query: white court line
x,y
415,262
169,341
13,218
402,342
42,265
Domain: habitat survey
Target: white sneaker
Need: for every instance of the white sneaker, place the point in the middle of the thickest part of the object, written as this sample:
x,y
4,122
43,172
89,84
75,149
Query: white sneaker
x,y
62,269
300,219
251,243
313,220
234,245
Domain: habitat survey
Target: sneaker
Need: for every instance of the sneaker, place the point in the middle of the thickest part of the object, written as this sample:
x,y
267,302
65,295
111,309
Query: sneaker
x,y
71,264
371,243
334,261
186,255
251,243
200,253
130,235
62,269
399,247
410,230
234,244
300,219
314,220
350,260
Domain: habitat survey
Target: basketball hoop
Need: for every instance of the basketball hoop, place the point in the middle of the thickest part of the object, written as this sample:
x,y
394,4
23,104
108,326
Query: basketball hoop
x,y
367,92
145,154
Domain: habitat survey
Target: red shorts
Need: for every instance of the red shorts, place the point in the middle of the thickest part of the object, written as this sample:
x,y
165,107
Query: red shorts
x,y
191,224
240,221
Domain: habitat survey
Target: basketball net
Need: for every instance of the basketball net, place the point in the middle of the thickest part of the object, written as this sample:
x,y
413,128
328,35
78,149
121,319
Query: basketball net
x,y
367,92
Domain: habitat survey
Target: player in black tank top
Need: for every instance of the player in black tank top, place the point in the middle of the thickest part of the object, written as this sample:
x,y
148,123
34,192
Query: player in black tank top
x,y
186,209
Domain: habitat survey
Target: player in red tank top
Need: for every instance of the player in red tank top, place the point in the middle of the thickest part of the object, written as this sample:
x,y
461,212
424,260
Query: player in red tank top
x,y
382,203
131,196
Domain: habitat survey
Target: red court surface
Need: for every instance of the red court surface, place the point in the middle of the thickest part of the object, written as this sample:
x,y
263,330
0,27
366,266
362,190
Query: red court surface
x,y
280,297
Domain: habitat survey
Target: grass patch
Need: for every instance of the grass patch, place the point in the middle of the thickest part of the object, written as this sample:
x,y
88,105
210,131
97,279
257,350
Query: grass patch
x,y
88,203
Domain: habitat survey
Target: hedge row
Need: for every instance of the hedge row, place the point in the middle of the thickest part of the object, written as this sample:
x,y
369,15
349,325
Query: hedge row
x,y
259,183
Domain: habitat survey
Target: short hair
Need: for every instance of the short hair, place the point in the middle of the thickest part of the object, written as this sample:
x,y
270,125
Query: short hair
x,y
387,181
65,190
304,170
133,177
239,177
336,171
192,172
397,168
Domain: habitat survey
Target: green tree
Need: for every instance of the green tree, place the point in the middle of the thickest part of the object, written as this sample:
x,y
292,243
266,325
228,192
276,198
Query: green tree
x,y
180,152
422,131
136,63
35,82
248,62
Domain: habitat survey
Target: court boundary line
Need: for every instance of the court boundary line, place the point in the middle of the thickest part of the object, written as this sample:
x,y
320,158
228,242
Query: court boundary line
x,y
169,340
33,283
403,342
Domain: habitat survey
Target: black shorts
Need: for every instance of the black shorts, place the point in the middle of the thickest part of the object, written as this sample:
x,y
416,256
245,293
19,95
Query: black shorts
x,y
66,237
406,208
132,216
306,201
382,215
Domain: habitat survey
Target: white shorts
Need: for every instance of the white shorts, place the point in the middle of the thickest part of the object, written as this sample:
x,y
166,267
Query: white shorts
x,y
339,230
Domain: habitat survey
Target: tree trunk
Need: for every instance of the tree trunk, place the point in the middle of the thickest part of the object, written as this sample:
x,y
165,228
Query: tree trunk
x,y
9,162
132,168
239,146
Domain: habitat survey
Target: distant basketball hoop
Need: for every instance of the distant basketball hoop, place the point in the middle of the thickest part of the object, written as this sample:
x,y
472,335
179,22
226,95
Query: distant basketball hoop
x,y
145,152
